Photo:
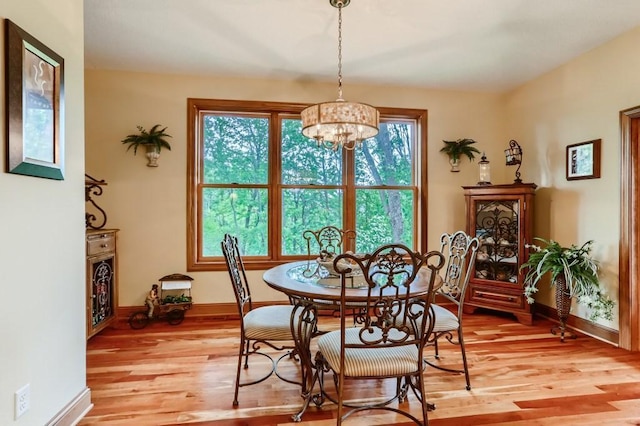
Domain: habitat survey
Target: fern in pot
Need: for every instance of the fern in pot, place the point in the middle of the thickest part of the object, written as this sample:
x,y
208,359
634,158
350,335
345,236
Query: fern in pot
x,y
153,140
573,272
458,148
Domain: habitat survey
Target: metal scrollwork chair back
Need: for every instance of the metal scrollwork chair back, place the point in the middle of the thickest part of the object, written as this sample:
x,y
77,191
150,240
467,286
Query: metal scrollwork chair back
x,y
460,251
389,339
268,325
329,240
325,243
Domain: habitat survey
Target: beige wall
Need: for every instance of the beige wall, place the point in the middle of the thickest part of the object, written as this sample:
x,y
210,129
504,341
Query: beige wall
x,y
42,249
577,102
42,337
149,204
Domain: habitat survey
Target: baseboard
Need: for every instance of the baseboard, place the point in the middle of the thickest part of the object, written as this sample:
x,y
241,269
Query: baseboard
x,y
581,325
230,310
74,411
199,310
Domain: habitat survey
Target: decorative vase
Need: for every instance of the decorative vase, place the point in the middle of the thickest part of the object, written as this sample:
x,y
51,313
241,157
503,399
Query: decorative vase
x,y
563,307
152,156
455,164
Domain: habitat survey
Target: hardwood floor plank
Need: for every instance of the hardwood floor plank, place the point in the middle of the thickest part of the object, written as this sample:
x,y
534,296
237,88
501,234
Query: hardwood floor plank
x,y
520,375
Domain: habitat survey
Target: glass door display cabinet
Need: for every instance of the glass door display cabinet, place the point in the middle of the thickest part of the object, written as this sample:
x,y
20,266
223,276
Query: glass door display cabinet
x,y
501,217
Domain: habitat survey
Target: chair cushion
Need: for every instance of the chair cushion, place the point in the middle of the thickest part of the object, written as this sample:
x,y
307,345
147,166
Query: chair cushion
x,y
379,361
445,319
268,323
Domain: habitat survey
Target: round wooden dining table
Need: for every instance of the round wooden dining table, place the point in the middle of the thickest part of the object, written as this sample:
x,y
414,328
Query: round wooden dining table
x,y
304,279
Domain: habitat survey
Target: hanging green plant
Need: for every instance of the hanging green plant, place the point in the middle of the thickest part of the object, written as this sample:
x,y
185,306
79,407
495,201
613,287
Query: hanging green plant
x,y
460,147
155,138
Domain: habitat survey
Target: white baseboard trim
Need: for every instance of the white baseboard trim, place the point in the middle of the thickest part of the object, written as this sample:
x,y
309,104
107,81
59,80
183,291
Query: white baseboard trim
x,y
74,411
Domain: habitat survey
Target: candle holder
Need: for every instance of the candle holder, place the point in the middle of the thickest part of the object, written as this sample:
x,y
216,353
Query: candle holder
x,y
484,169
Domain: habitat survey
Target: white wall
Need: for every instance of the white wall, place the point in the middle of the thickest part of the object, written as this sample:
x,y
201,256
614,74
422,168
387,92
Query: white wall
x,y
42,337
148,204
578,102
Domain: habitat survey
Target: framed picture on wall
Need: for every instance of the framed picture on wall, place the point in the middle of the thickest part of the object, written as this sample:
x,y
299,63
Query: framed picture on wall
x,y
583,160
34,106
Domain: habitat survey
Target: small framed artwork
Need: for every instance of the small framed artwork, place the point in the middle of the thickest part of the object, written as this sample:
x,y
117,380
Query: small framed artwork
x,y
34,106
583,160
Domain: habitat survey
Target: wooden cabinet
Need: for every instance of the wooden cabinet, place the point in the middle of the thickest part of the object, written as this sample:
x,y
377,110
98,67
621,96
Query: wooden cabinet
x,y
501,216
102,291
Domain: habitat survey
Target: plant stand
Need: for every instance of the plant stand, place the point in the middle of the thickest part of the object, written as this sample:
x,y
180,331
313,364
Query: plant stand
x,y
563,307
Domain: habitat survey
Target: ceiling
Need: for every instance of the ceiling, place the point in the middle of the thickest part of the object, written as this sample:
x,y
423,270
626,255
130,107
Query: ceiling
x,y
489,45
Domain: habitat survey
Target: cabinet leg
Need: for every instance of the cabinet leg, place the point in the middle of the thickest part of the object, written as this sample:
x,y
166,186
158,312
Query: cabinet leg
x,y
526,319
468,309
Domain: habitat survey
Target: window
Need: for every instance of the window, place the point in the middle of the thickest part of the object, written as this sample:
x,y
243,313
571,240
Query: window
x,y
251,173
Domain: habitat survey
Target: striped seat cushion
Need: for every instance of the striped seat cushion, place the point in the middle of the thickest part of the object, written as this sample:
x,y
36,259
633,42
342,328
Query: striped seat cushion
x,y
377,361
445,319
268,323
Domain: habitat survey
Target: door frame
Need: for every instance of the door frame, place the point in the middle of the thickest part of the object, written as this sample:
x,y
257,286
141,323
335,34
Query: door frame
x,y
629,249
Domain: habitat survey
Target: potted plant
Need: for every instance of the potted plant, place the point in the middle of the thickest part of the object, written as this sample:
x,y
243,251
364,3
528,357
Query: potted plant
x,y
456,149
573,272
153,140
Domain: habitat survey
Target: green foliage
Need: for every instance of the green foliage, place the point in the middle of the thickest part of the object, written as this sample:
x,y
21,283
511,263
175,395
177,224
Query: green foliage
x,y
153,137
308,209
235,194
458,148
580,271
377,226
236,150
241,212
176,299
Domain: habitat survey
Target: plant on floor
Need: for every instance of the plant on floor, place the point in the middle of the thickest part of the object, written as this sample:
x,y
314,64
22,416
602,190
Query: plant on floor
x,y
456,149
576,266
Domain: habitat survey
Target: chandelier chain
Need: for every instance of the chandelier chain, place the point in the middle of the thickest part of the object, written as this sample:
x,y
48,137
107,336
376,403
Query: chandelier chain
x,y
340,4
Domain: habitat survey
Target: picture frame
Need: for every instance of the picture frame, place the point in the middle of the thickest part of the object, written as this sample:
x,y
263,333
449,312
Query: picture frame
x,y
34,106
583,160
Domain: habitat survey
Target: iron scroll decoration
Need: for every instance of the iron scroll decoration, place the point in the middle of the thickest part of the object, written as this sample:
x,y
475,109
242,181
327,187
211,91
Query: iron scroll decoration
x,y
102,291
93,187
500,221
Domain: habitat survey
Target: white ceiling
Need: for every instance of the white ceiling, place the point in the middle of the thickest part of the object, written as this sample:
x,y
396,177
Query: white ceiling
x,y
487,45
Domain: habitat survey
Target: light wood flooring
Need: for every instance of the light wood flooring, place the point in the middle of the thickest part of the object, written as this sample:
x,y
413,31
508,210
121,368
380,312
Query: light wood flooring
x,y
520,375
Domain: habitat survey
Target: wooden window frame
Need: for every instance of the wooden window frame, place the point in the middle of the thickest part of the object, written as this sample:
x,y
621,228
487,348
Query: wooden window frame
x,y
196,106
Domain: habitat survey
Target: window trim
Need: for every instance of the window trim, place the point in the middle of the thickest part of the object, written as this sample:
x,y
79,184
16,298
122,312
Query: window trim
x,y
195,106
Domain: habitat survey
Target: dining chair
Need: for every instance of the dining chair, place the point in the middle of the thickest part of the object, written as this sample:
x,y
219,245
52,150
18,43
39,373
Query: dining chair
x,y
268,325
304,323
327,241
459,250
389,340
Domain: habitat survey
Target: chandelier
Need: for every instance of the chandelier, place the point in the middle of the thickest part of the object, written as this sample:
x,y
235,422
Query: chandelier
x,y
340,123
